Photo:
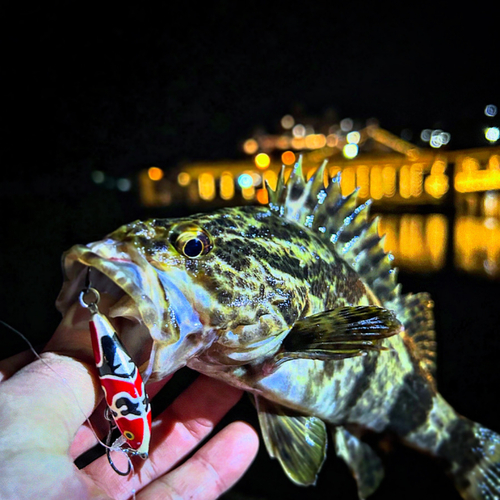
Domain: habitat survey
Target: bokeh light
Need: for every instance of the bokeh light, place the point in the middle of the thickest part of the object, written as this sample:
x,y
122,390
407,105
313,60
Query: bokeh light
x,y
262,196
492,134
425,135
250,146
123,184
288,158
155,173
262,160
490,110
183,179
299,130
206,186
287,122
98,176
353,137
226,185
350,150
245,181
346,124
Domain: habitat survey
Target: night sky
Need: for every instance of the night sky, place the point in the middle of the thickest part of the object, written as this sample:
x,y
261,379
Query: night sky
x,y
92,87
121,88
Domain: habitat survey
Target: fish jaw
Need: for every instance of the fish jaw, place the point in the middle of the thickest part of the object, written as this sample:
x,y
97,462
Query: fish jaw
x,y
166,323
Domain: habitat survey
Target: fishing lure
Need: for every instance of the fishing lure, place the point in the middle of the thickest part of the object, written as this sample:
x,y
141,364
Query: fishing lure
x,y
128,404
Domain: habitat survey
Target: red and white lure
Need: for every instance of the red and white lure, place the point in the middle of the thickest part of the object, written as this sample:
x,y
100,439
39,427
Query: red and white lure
x,y
122,384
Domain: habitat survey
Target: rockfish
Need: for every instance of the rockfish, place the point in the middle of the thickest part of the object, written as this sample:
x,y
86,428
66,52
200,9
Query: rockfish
x,y
297,303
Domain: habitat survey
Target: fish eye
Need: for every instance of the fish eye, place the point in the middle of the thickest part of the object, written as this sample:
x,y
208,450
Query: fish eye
x,y
193,248
192,243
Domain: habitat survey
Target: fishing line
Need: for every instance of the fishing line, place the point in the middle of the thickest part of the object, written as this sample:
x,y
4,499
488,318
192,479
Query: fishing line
x,y
47,365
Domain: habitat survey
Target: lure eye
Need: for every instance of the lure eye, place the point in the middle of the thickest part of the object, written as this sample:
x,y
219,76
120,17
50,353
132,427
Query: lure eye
x,y
128,435
193,243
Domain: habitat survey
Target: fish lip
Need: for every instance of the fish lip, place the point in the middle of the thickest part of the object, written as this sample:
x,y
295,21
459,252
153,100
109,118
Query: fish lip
x,y
131,272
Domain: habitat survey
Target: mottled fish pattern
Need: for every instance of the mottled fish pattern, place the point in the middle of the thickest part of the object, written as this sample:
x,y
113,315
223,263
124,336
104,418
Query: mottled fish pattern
x,y
298,304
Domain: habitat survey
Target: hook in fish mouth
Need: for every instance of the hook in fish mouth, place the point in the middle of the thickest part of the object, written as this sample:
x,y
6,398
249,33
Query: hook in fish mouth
x,y
135,300
155,320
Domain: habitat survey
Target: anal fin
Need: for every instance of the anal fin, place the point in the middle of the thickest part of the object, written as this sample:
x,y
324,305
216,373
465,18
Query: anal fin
x,y
363,462
298,442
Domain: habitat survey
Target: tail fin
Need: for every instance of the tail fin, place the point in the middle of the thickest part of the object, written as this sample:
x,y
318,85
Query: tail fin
x,y
474,453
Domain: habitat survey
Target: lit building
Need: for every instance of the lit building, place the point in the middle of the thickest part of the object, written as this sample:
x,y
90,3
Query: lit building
x,y
383,167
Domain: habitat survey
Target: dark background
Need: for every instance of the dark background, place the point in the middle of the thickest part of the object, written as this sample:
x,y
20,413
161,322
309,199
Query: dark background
x,y
119,88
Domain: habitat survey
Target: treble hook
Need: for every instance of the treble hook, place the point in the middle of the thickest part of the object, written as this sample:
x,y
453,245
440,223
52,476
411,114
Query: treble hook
x,y
108,453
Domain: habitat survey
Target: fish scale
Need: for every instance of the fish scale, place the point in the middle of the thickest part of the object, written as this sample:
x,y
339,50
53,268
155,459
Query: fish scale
x,y
298,304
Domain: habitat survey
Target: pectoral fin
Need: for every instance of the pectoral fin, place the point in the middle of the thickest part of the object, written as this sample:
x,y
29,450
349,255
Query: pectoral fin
x,y
363,462
340,333
298,442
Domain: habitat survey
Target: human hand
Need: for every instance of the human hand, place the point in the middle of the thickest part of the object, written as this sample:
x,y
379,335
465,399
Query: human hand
x,y
43,405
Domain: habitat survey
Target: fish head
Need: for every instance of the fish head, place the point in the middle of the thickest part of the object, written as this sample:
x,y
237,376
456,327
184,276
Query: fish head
x,y
194,287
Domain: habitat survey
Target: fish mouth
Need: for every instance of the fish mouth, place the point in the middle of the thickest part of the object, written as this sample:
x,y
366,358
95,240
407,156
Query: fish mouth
x,y
138,304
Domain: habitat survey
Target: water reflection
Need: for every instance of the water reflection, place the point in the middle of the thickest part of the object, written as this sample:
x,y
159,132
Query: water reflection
x,y
420,242
477,244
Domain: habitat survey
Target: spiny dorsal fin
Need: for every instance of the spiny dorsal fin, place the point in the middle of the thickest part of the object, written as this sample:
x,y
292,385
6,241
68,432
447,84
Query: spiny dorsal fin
x,y
340,221
415,312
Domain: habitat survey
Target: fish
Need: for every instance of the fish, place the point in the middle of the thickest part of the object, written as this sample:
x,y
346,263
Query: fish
x,y
297,303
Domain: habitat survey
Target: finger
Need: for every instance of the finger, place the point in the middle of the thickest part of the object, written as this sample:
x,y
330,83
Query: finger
x,y
13,364
210,471
50,397
176,432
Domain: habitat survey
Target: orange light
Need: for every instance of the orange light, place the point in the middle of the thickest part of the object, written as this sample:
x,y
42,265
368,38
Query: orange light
x,y
298,143
416,179
363,180
333,171
226,185
250,146
376,184
389,181
288,158
248,193
494,162
332,140
404,182
206,186
348,181
262,196
436,185
155,173
183,179
271,178
262,160
470,164
436,234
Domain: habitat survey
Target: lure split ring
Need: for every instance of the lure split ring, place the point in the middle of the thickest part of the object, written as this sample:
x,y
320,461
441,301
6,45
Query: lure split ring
x,y
92,304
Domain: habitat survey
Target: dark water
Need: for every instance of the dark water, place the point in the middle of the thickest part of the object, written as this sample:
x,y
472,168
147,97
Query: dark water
x,y
467,311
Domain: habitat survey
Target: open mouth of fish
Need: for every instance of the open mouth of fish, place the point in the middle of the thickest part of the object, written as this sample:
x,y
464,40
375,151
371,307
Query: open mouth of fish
x,y
135,300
